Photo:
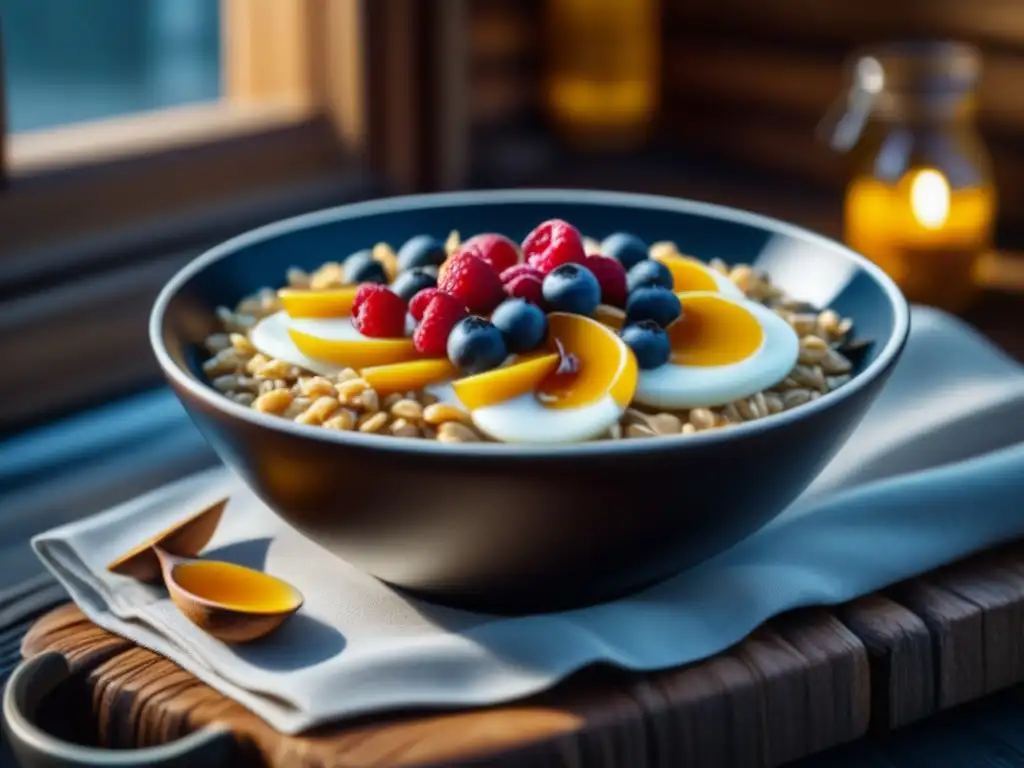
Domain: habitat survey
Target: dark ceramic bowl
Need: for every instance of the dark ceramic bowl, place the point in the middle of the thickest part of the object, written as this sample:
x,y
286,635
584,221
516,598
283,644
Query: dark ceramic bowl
x,y
511,528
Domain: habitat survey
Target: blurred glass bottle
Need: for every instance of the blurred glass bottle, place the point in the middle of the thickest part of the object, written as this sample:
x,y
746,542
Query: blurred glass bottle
x,y
921,201
602,60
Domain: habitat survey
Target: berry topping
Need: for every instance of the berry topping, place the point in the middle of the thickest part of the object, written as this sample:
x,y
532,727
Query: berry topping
x,y
421,251
471,280
552,244
497,250
409,283
611,276
572,288
361,267
523,325
439,317
418,303
526,287
510,274
659,305
649,343
362,292
649,272
380,313
475,345
628,249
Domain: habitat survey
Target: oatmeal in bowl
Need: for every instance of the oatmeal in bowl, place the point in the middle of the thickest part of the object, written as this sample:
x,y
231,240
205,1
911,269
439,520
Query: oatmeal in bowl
x,y
527,419
558,339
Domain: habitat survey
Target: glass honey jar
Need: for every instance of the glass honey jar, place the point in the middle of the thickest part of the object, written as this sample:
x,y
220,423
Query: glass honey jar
x,y
920,201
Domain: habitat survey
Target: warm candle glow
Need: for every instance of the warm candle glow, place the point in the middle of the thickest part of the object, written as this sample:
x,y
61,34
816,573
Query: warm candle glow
x,y
929,198
925,234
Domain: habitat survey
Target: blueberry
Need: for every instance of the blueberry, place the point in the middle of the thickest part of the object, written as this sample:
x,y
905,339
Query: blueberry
x,y
523,325
361,267
571,288
651,303
628,249
475,345
408,284
648,272
421,251
649,343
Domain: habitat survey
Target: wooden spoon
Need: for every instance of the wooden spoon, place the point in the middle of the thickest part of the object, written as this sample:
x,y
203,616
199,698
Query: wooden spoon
x,y
184,539
233,603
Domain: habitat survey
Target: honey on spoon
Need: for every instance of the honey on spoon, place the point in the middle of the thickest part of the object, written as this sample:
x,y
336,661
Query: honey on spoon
x,y
232,603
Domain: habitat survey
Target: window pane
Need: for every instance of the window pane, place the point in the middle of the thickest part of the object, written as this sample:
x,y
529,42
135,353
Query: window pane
x,y
74,60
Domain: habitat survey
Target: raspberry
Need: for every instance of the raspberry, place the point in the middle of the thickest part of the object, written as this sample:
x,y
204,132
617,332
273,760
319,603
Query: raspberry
x,y
362,292
528,287
497,250
472,281
418,303
552,244
441,315
381,314
611,276
518,270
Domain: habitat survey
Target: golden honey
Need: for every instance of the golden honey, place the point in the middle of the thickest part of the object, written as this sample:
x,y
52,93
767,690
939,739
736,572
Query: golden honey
x,y
235,587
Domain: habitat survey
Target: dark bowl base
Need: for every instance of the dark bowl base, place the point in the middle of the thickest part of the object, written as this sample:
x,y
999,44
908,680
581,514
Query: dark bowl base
x,y
528,603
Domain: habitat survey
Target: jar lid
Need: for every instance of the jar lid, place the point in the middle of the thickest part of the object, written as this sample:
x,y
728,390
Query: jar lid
x,y
927,67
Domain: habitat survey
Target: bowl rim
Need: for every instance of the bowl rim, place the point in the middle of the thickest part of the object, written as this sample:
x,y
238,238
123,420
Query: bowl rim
x,y
528,451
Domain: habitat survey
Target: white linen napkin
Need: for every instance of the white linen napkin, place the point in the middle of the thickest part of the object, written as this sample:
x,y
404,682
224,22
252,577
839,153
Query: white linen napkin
x,y
882,511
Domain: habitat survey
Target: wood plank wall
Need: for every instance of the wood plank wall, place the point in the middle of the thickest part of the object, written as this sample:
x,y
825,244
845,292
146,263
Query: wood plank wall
x,y
748,81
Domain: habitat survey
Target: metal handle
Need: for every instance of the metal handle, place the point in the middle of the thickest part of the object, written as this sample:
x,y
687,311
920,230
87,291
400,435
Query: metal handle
x,y
36,678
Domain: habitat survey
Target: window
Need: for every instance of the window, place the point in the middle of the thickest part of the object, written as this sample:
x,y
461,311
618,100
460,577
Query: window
x,y
69,61
142,131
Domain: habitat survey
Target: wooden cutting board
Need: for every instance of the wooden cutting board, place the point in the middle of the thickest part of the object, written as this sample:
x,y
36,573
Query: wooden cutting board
x,y
803,682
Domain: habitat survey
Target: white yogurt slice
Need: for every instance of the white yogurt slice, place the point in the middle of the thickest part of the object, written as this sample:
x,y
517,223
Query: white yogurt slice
x,y
271,337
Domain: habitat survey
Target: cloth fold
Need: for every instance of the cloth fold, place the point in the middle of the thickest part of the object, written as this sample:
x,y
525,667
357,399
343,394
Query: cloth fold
x,y
934,472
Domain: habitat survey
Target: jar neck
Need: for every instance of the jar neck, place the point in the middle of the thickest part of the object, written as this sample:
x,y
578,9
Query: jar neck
x,y
924,109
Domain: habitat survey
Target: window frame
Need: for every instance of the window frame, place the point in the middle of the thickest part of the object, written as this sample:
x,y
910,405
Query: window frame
x,y
326,101
312,89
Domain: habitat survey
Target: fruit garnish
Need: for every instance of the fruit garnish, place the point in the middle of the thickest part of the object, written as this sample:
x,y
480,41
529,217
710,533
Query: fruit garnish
x,y
553,244
408,376
438,320
606,365
379,313
611,276
526,287
475,345
333,302
418,303
648,273
354,353
524,282
572,288
496,386
361,267
714,331
688,274
497,250
472,281
653,303
562,377
524,325
421,251
411,282
627,249
649,342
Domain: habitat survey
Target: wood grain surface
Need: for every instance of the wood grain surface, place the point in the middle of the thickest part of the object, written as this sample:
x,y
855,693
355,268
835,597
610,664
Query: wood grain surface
x,y
802,683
